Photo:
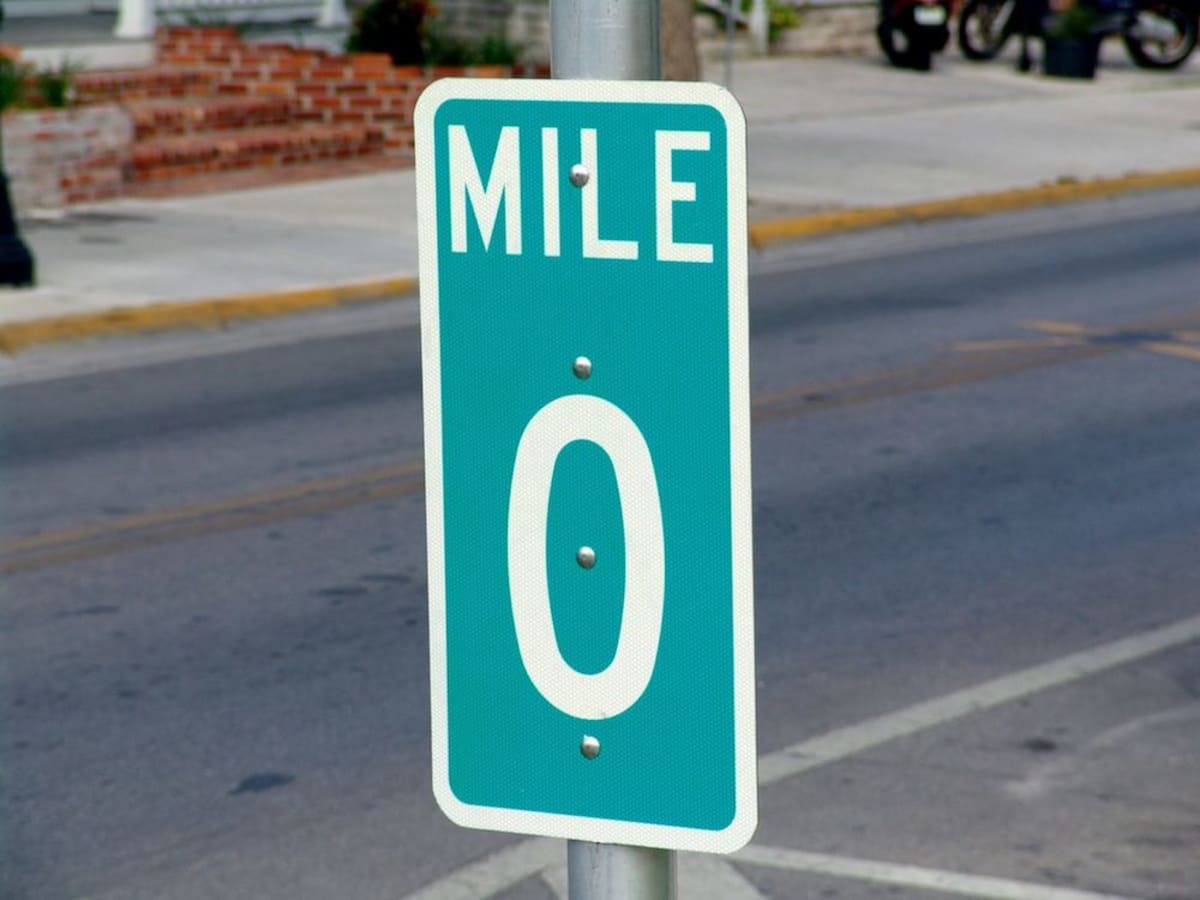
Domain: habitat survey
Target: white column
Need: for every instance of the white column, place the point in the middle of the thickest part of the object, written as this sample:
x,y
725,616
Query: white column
x,y
333,14
135,19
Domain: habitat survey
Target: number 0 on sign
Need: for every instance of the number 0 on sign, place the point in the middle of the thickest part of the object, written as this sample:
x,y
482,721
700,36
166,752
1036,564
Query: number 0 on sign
x,y
584,339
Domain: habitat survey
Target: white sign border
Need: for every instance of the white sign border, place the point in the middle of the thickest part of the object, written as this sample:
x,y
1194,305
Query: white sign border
x,y
738,833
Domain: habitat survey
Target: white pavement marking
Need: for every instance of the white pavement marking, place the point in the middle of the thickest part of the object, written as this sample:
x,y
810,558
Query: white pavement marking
x,y
556,879
1067,770
704,877
854,739
496,872
701,876
513,864
910,876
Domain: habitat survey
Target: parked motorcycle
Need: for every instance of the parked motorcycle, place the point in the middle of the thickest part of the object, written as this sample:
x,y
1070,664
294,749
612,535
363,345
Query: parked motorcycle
x,y
911,31
1158,34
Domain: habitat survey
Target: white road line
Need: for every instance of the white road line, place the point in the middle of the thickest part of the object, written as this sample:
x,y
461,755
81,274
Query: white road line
x,y
700,877
910,876
555,878
703,877
513,864
853,739
496,872
1068,768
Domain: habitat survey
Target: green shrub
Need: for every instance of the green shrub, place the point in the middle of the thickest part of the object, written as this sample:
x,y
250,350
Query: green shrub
x,y
394,27
406,31
1073,22
781,15
497,51
441,50
56,87
23,87
13,77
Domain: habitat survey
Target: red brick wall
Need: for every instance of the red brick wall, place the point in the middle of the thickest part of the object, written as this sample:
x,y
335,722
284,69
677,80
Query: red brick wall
x,y
327,88
87,153
58,157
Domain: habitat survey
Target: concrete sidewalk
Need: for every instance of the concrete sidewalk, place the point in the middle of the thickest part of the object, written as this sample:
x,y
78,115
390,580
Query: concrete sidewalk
x,y
827,136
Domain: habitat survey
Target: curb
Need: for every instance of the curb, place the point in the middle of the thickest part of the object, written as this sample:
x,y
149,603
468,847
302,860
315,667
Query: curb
x,y
214,313
220,312
763,234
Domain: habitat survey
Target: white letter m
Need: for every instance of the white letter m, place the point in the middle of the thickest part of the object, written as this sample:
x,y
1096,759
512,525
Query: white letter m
x,y
504,181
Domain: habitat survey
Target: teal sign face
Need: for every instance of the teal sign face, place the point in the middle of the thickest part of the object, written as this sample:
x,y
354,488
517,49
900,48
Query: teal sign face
x,y
583,315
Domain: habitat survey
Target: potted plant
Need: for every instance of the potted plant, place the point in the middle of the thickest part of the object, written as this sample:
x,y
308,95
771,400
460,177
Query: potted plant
x,y
1072,39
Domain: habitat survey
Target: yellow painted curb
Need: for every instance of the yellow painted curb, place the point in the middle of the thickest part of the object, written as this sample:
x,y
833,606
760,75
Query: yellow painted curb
x,y
217,313
214,313
763,234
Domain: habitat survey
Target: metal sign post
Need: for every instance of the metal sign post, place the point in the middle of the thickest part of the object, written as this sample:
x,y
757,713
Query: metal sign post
x,y
615,39
615,872
730,29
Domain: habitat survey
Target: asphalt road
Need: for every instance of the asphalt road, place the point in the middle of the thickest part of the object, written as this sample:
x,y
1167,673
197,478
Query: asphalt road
x,y
975,454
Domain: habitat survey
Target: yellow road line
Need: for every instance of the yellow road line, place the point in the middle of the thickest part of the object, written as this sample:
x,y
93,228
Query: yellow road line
x,y
942,373
1011,344
237,517
203,510
1065,328
1177,323
1066,344
1168,349
1176,343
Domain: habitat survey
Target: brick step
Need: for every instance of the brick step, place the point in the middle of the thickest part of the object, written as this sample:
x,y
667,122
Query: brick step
x,y
165,118
169,158
107,86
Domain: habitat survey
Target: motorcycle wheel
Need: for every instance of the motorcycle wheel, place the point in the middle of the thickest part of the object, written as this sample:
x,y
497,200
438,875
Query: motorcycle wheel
x,y
902,50
984,26
1159,53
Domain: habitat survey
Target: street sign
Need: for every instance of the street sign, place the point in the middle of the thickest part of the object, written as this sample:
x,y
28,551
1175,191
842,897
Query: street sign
x,y
586,391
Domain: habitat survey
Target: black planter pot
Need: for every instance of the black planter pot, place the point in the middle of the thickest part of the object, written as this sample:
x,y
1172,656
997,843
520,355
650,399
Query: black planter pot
x,y
1071,57
16,262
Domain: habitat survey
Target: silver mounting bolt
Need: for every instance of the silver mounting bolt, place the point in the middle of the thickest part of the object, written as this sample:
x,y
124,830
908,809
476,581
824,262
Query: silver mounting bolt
x,y
579,175
586,557
582,367
589,747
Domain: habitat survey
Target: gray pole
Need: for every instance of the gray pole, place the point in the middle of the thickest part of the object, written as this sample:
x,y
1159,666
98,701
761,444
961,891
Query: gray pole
x,y
605,39
615,39
730,22
615,872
